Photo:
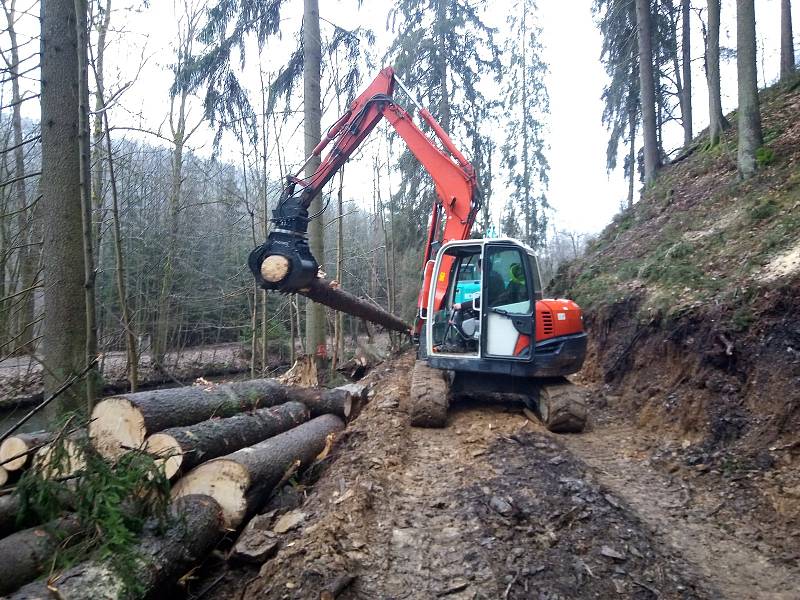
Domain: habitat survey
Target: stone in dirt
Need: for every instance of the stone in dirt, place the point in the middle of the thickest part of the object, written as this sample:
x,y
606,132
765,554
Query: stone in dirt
x,y
289,521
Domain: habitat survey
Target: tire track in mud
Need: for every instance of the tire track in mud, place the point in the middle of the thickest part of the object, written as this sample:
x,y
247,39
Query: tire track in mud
x,y
681,521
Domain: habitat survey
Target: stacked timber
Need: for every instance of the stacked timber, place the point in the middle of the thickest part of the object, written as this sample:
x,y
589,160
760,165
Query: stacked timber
x,y
242,481
16,451
181,448
122,423
198,527
233,445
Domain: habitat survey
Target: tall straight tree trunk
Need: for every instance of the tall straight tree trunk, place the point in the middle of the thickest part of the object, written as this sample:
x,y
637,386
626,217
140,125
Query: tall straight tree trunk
x,y
64,326
686,50
441,43
312,113
648,91
787,40
750,134
130,336
82,32
632,121
26,256
717,121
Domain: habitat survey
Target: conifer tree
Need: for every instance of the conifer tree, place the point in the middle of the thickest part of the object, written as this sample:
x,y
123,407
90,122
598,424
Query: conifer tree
x,y
526,108
443,49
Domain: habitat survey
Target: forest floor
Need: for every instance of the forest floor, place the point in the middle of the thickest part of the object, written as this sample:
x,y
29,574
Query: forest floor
x,y
21,376
495,506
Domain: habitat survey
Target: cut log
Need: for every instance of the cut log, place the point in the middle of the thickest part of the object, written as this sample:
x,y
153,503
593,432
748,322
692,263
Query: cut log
x,y
121,423
242,481
10,507
3,476
16,451
27,553
66,462
161,558
330,294
182,448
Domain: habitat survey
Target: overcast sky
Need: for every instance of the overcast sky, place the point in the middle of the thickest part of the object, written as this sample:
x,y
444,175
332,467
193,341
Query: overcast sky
x,y
583,196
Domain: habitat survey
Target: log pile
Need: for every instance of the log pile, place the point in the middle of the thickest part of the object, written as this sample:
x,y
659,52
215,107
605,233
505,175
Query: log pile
x,y
228,446
122,423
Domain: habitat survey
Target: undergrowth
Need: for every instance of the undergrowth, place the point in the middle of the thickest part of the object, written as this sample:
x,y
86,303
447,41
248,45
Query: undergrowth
x,y
112,501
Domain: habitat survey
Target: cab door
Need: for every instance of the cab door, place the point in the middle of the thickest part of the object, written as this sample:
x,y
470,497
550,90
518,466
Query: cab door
x,y
508,302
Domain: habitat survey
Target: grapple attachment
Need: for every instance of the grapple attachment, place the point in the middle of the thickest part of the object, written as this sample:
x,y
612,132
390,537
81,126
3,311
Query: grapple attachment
x,y
284,262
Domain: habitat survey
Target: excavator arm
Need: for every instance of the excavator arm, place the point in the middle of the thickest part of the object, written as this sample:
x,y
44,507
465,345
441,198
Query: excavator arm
x,y
285,263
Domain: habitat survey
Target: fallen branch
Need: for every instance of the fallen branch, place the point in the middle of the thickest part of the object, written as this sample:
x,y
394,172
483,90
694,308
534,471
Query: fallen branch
x,y
64,387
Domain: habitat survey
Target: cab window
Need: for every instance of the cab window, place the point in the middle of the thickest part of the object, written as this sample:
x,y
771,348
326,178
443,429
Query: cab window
x,y
507,286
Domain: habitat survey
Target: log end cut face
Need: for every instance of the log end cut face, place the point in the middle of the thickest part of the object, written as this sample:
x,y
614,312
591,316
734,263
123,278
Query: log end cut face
x,y
223,480
274,268
64,463
166,451
117,426
13,446
3,476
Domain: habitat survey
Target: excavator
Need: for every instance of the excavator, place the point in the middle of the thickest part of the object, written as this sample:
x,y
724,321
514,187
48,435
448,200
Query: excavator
x,y
482,325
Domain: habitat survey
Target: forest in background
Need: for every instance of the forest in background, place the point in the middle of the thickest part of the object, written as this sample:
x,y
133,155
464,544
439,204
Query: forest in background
x,y
141,236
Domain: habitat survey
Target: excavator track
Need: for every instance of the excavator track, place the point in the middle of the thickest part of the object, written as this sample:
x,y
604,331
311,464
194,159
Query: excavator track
x,y
562,407
428,398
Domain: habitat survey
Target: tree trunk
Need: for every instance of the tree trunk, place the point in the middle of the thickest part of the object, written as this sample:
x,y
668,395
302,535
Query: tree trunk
x,y
787,40
718,123
132,353
312,112
750,135
162,558
242,481
441,63
64,327
84,143
27,554
27,255
325,292
632,122
648,93
686,49
121,423
183,448
16,451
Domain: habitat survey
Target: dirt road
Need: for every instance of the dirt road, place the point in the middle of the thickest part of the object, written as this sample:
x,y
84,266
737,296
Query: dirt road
x,y
494,506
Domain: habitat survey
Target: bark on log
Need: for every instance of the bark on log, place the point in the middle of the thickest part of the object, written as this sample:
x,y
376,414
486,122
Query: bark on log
x,y
9,509
15,451
161,558
328,293
121,423
242,481
27,553
183,448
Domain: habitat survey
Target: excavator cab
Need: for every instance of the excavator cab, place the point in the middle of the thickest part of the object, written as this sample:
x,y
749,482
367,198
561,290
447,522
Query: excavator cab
x,y
503,325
